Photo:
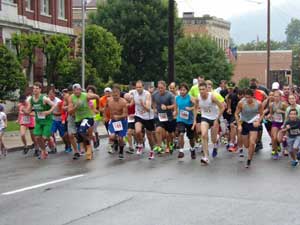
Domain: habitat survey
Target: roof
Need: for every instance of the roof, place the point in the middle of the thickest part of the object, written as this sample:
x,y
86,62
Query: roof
x,y
90,3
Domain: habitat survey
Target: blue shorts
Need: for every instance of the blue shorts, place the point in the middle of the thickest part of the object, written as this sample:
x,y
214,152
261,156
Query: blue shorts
x,y
58,126
118,127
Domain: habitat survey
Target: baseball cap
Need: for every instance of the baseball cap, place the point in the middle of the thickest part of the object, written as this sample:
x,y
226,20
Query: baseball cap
x,y
107,89
195,81
75,86
230,85
275,86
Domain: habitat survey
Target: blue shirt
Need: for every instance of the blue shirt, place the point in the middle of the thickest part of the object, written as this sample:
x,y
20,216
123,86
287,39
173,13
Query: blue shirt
x,y
184,115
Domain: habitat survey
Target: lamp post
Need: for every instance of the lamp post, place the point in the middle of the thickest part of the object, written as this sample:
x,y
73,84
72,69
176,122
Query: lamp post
x,y
171,76
83,44
268,40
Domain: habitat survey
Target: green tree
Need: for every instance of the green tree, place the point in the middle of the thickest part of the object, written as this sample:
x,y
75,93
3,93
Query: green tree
x,y
244,83
26,45
141,27
262,45
200,56
293,32
103,51
11,76
55,48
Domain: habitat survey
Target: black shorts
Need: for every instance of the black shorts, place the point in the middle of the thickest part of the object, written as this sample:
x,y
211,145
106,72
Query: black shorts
x,y
268,125
260,128
183,127
169,126
131,126
247,127
148,124
198,118
83,126
210,122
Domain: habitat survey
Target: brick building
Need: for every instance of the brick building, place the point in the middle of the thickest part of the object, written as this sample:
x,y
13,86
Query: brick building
x,y
253,64
217,29
45,16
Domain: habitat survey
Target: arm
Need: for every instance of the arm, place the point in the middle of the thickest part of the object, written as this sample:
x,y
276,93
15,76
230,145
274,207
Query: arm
x,y
71,107
219,104
50,103
91,96
238,110
195,111
28,108
147,105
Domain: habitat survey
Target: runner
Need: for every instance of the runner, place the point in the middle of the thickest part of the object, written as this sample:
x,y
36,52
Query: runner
x,y
26,121
3,126
249,114
43,108
130,120
211,111
144,117
164,104
84,118
292,126
117,126
103,102
184,109
277,113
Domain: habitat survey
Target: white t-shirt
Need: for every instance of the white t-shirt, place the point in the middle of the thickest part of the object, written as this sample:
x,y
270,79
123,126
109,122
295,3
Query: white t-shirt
x,y
2,119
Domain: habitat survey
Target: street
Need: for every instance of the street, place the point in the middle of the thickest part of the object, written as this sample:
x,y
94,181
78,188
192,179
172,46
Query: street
x,y
137,191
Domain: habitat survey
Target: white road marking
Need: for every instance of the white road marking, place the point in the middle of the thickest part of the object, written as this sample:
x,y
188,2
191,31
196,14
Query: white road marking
x,y
43,184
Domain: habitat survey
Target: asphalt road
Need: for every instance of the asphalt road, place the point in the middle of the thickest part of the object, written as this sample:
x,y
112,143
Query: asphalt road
x,y
137,191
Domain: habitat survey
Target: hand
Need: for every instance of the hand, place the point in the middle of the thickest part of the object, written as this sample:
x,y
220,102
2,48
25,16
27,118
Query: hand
x,y
189,108
174,114
229,111
46,113
288,127
194,125
163,107
256,124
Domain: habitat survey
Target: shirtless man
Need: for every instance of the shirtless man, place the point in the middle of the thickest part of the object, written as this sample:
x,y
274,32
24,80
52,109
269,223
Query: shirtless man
x,y
117,107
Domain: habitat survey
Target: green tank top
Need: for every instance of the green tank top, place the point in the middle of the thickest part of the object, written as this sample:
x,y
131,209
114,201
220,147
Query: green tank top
x,y
39,107
83,111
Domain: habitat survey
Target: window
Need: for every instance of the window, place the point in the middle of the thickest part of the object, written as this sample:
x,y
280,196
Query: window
x,y
11,1
61,8
28,4
45,7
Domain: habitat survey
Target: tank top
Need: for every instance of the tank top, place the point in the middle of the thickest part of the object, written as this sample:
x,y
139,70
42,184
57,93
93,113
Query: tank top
x,y
277,117
39,107
83,111
209,110
93,105
249,114
184,116
57,109
139,109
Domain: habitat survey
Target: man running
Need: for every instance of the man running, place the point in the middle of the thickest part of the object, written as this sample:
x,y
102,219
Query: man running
x,y
43,108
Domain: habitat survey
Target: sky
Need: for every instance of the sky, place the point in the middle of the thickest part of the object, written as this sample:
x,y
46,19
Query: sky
x,y
251,13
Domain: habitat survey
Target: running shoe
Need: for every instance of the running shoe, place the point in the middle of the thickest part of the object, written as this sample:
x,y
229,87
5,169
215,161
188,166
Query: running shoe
x,y
36,152
139,150
121,156
130,150
193,153
273,152
76,156
241,154
53,151
232,148
157,149
248,164
258,146
285,152
172,147
276,156
111,149
25,150
215,152
180,154
68,150
278,148
151,155
294,163
204,161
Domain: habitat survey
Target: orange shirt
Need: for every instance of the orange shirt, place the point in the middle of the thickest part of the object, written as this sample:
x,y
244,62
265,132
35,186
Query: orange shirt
x,y
102,104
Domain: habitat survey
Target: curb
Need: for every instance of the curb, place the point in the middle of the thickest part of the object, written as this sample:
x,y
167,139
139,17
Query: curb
x,y
20,148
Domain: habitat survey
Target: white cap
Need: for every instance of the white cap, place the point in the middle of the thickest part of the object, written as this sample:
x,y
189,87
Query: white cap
x,y
107,89
195,81
275,86
75,86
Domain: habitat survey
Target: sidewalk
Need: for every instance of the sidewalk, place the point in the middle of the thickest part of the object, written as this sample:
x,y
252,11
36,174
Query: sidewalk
x,y
12,140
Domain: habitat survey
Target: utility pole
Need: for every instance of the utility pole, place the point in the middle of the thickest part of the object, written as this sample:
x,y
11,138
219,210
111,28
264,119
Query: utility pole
x,y
83,3
268,41
171,77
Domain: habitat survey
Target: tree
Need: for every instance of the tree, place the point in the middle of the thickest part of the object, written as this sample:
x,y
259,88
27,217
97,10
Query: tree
x,y
11,76
26,46
103,51
262,45
141,27
293,32
55,48
244,83
200,56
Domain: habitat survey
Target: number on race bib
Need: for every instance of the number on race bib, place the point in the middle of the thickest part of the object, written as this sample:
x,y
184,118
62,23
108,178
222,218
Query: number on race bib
x,y
184,114
162,117
277,118
130,119
26,120
41,115
118,126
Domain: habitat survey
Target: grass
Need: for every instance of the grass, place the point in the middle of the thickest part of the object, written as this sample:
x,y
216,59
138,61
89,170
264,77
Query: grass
x,y
12,126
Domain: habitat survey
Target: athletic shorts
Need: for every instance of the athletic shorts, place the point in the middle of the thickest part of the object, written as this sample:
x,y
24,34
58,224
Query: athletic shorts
x,y
169,126
210,122
71,125
148,124
230,119
43,130
58,126
293,143
183,127
83,126
118,127
247,127
268,125
131,126
198,118
276,124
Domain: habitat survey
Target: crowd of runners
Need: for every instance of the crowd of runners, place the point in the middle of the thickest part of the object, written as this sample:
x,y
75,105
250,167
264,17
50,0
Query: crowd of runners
x,y
160,118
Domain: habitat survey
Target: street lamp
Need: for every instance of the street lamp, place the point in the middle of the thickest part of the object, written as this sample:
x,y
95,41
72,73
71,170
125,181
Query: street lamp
x,y
83,4
171,76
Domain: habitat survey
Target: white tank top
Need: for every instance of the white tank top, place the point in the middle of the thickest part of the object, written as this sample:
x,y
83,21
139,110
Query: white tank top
x,y
209,110
139,109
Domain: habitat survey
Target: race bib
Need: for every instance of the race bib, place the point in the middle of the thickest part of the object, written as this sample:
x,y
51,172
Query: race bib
x,y
184,114
207,110
130,119
41,115
277,118
162,117
255,118
118,126
26,120
84,123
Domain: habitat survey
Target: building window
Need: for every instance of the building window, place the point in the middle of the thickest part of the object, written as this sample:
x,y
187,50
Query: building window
x,y
45,6
10,1
28,4
61,8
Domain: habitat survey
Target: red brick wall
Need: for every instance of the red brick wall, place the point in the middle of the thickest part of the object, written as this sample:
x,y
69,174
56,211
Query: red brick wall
x,y
39,66
254,65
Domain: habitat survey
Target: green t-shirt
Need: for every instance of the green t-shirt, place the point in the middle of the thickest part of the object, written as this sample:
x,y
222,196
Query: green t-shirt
x,y
39,107
83,111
